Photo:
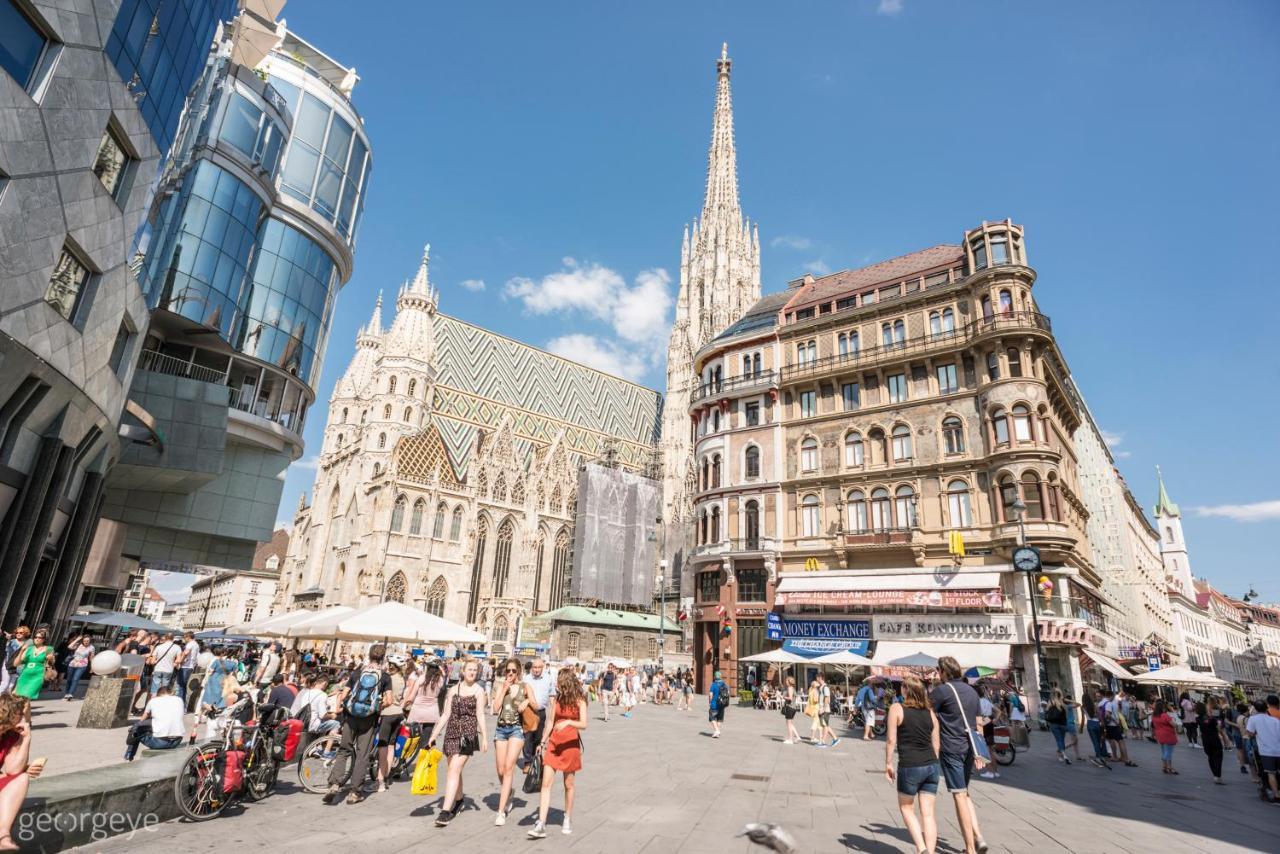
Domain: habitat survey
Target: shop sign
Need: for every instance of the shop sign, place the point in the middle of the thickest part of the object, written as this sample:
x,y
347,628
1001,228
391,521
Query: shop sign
x,y
535,631
773,626
813,647
976,627
918,598
1066,632
820,637
749,612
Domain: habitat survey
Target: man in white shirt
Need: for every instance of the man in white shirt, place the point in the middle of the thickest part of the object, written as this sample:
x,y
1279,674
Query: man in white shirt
x,y
315,698
190,655
1264,728
168,656
268,667
543,688
162,724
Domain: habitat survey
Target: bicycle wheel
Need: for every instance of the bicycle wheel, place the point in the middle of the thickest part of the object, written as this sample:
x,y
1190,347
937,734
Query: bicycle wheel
x,y
198,786
314,768
261,771
1005,754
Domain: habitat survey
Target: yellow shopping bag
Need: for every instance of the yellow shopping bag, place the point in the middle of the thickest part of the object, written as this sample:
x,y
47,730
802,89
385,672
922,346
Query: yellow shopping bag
x,y
424,772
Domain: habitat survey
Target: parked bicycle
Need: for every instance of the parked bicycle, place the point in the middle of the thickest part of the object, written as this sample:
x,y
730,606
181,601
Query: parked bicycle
x,y
316,762
1002,749
243,764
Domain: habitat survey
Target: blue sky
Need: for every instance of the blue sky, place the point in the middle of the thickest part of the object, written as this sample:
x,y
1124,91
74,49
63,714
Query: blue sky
x,y
549,150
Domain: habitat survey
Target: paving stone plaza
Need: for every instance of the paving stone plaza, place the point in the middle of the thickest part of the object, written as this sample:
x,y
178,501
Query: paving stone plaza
x,y
658,783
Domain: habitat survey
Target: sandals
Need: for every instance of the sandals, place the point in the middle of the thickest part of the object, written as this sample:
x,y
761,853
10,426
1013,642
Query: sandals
x,y
1131,764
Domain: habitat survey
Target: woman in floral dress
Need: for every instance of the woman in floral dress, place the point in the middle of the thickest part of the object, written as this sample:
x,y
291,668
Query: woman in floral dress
x,y
463,726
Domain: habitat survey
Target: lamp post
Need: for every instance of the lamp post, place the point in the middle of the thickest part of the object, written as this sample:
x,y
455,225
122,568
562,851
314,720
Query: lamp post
x,y
1027,559
662,595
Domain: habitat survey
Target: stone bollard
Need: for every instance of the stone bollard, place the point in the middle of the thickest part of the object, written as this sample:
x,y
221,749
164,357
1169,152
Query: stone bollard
x,y
107,702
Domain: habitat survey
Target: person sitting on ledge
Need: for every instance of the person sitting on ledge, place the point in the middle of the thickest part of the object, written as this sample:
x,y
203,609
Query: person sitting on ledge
x,y
161,726
16,768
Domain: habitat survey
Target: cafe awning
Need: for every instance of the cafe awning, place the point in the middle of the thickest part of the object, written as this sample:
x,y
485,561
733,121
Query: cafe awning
x,y
919,589
993,655
1108,664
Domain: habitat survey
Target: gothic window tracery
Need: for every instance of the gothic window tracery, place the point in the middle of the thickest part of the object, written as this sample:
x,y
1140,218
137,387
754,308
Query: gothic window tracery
x,y
396,588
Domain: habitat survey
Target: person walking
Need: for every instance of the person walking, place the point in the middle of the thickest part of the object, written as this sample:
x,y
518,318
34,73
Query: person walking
x,y
1092,725
913,733
789,701
165,658
1113,724
824,714
461,731
1188,707
1210,726
1235,726
1073,725
219,669
1162,727
510,697
541,690
811,710
78,663
1056,717
16,768
389,719
1263,728
956,705
30,662
268,667
865,700
366,693
187,666
561,747
424,699
717,700
607,682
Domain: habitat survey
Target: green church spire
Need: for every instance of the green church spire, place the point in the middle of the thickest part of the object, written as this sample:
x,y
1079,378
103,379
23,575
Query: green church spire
x,y
1164,506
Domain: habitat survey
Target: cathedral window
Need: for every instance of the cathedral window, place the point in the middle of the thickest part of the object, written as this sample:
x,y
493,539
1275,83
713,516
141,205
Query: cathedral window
x,y
538,548
502,558
437,529
436,596
397,513
386,412
455,526
556,504
344,415
413,386
396,588
477,562
391,385
500,628
628,647
560,569
598,649
415,518
517,492
382,441
408,415
500,488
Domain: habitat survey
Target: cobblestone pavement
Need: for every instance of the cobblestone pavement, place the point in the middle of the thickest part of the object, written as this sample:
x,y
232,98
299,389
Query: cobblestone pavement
x,y
658,783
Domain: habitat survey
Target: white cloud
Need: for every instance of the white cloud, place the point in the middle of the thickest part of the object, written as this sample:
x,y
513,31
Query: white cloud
x,y
1113,441
791,241
1258,511
890,7
600,354
472,284
309,463
818,267
637,313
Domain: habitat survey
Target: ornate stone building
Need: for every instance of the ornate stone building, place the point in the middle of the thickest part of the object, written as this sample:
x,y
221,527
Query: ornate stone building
x,y
449,469
719,281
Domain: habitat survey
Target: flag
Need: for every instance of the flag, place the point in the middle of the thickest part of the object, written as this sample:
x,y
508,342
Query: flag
x,y
956,545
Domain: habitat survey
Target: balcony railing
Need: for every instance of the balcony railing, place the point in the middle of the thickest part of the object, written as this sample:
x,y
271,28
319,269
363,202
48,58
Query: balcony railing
x,y
947,339
733,385
161,363
880,537
261,408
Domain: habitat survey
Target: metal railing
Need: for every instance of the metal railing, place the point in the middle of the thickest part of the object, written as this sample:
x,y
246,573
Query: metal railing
x,y
922,343
260,408
162,363
733,384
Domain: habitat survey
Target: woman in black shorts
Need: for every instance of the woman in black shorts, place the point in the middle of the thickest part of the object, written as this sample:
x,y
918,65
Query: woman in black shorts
x,y
913,733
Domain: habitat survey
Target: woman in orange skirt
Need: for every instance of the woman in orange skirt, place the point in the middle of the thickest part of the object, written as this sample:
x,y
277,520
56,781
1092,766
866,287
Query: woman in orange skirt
x,y
561,748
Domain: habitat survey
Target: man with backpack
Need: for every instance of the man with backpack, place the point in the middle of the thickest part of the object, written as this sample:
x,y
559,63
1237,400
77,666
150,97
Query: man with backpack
x,y
717,702
367,692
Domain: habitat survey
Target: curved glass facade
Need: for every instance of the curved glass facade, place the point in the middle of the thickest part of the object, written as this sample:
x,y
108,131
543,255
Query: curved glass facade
x,y
291,297
205,236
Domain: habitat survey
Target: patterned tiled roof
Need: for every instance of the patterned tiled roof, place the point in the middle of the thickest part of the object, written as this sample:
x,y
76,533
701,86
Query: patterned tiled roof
x,y
883,273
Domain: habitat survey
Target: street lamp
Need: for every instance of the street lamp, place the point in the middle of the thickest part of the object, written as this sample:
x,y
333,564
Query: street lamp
x,y
662,595
1027,559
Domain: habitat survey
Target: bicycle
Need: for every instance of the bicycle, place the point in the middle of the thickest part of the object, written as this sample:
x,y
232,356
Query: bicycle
x,y
1002,749
315,764
243,764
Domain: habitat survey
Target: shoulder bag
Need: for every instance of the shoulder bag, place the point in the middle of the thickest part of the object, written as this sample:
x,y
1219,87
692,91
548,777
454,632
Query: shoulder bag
x,y
528,717
981,755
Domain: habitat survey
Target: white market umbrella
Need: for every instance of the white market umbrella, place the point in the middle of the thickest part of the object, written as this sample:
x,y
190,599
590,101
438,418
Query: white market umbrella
x,y
296,628
845,658
1181,674
916,659
777,656
388,621
271,626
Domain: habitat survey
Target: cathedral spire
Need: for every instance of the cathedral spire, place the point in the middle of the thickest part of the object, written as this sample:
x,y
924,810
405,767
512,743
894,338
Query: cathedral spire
x,y
374,328
722,159
1164,506
421,284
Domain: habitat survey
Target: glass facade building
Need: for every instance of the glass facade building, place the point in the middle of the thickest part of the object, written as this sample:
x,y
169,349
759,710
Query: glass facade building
x,y
159,48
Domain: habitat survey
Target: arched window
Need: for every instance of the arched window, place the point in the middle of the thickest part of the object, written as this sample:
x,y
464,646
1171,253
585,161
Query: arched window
x,y
958,506
886,335
948,321
802,354
500,488
752,459
437,527
556,506
953,435
715,472
377,469
853,457
397,513
338,444
905,506
560,570
1000,426
881,510
715,421
751,522
1031,495
1021,423
482,482
386,412
809,454
1006,302
702,527
1008,497
455,526
857,504
341,577
598,646
382,441
755,365
987,314
899,333
391,385
746,364
413,386
879,446
813,352
517,492
1054,510
502,557
572,642
344,415
437,595
408,415
477,563
539,548
810,518
706,473
901,443
935,324
715,524
500,628
415,518
396,588
628,647
1168,535
848,344
1015,362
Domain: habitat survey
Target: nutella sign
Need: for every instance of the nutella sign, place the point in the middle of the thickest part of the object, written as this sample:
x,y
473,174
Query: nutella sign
x,y
977,627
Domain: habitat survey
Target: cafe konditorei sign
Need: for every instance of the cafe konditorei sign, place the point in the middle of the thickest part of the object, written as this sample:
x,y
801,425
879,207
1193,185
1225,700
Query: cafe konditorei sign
x,y
958,627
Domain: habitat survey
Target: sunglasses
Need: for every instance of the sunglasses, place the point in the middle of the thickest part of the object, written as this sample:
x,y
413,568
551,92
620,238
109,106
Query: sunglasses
x,y
511,670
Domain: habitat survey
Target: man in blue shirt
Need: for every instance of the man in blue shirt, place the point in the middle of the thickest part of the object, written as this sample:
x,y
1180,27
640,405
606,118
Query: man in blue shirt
x,y
543,688
717,699
867,702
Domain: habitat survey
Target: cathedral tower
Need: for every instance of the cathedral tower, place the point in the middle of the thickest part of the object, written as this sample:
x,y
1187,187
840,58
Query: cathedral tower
x,y
719,281
1173,547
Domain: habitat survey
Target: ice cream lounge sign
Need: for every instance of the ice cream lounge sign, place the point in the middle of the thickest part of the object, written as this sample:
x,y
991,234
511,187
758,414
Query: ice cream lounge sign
x,y
975,627
819,637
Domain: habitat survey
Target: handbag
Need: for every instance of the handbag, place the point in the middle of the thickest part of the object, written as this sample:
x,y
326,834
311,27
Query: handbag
x,y
468,744
528,715
981,754
533,776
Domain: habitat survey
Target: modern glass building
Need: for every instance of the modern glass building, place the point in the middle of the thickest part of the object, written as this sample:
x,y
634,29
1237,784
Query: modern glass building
x,y
250,237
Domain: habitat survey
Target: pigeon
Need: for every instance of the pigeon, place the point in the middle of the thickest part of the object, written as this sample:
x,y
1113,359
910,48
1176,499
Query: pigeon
x,y
770,836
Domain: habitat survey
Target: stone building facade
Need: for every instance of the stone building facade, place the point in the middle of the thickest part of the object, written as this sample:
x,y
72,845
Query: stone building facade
x,y
229,598
449,470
